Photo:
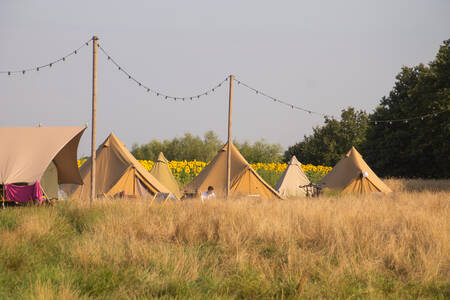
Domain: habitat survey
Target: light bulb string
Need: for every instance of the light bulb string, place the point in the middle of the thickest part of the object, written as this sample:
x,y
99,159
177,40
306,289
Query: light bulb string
x,y
261,93
50,64
293,106
155,91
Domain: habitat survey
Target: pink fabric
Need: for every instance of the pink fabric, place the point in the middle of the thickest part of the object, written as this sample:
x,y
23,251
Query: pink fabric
x,y
26,193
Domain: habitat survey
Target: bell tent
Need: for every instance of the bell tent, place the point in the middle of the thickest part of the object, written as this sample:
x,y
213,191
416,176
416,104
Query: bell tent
x,y
244,181
291,180
161,171
352,175
117,173
33,154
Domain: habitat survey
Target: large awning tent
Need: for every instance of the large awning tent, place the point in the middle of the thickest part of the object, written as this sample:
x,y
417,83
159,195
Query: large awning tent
x,y
117,173
27,152
292,179
161,171
244,181
352,175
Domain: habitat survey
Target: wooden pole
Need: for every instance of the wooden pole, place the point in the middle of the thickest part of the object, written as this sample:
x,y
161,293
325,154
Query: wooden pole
x,y
230,106
94,114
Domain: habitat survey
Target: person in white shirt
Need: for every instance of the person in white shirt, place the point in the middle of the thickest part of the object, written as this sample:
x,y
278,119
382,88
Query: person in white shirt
x,y
209,194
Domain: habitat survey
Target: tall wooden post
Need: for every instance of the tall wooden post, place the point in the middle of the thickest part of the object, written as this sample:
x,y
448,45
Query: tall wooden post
x,y
94,114
230,107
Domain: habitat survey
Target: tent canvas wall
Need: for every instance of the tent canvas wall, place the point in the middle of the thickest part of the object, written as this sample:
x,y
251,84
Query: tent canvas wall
x,y
291,179
244,181
161,171
352,175
49,181
117,171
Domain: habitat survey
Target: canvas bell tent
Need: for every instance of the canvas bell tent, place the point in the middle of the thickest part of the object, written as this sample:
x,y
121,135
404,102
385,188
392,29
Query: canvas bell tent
x,y
291,180
352,175
244,181
27,152
117,172
161,171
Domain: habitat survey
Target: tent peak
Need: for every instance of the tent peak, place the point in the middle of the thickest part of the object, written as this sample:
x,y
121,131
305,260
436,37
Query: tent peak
x,y
162,158
352,152
294,161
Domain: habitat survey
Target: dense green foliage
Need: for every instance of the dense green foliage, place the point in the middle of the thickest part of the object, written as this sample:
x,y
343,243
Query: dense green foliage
x,y
417,148
188,148
191,147
260,151
330,142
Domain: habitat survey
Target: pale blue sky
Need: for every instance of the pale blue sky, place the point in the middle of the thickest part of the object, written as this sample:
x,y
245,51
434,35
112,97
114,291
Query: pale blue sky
x,y
322,55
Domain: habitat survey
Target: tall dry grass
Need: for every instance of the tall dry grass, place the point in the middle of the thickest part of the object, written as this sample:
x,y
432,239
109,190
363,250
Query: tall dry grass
x,y
372,246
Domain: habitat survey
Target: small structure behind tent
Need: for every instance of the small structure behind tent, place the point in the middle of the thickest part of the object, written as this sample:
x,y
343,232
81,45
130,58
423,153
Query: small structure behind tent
x,y
292,180
161,171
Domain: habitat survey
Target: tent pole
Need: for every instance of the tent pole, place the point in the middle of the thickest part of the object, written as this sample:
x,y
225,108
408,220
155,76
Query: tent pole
x,y
94,114
230,105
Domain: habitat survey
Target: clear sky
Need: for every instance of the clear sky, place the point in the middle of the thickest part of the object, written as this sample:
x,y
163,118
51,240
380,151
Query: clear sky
x,y
321,55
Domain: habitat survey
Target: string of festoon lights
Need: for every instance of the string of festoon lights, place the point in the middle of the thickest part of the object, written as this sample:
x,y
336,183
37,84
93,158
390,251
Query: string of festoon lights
x,y
213,89
375,122
155,91
48,65
277,100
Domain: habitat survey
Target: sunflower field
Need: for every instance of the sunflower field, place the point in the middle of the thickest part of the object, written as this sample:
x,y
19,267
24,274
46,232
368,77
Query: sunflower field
x,y
185,171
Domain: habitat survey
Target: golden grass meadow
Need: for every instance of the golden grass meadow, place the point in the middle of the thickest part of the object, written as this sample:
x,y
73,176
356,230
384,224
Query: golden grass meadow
x,y
344,247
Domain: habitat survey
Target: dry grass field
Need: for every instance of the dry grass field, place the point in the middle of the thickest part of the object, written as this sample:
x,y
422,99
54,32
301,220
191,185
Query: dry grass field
x,y
347,247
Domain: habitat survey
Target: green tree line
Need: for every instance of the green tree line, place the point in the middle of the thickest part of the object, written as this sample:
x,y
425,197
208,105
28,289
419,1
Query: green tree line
x,y
190,147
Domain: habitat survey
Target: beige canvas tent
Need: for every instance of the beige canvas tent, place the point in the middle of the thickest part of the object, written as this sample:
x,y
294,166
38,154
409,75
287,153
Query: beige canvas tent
x,y
117,172
161,171
244,180
352,175
291,180
26,152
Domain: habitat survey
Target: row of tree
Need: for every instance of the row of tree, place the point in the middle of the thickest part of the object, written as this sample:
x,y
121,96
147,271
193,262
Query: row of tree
x,y
191,147
417,148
